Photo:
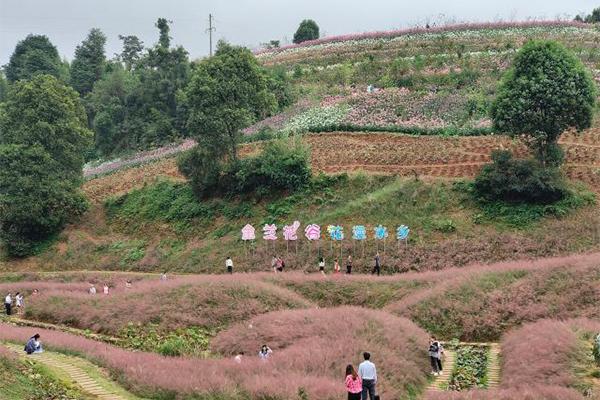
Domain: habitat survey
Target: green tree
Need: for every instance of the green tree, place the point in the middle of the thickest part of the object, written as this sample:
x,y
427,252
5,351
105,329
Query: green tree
x,y
227,93
308,30
3,87
43,136
164,39
32,56
108,109
89,63
35,200
132,50
546,91
45,112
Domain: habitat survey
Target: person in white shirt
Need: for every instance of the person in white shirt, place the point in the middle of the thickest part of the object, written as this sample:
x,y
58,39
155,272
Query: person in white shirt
x,y
229,265
8,304
92,289
19,302
163,277
238,358
265,352
106,290
368,374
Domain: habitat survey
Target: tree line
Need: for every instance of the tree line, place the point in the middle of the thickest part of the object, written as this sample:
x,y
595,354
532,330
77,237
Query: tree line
x,y
54,116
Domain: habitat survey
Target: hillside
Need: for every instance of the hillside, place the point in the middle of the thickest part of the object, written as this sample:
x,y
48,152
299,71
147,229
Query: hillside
x,y
427,122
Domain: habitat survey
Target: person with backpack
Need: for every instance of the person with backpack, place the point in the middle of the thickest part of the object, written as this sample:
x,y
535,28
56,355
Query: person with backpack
x,y
436,351
368,374
353,383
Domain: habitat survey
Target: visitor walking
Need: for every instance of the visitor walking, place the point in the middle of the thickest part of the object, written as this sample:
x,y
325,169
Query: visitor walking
x,y
336,266
19,302
368,374
229,265
128,284
8,304
105,290
265,352
92,289
163,276
436,350
353,383
34,345
280,264
274,263
349,265
322,266
377,268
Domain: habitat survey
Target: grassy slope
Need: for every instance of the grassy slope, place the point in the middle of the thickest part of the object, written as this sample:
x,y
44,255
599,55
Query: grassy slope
x,y
27,381
162,227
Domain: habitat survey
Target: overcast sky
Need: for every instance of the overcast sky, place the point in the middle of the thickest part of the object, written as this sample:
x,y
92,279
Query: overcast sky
x,y
247,22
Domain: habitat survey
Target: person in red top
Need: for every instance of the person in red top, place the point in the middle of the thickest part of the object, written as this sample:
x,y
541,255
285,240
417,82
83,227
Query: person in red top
x,y
353,383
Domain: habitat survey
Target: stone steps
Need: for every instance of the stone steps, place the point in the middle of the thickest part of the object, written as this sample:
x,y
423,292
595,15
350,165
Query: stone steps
x,y
96,386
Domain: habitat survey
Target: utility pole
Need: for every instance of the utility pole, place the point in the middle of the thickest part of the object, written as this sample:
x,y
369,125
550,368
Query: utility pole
x,y
210,31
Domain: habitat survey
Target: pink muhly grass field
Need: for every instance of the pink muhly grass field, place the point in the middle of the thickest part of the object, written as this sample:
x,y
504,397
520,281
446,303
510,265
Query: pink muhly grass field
x,y
208,301
541,353
322,342
311,349
529,392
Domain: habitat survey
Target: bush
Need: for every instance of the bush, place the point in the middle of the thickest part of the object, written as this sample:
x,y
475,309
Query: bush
x,y
280,166
519,181
202,169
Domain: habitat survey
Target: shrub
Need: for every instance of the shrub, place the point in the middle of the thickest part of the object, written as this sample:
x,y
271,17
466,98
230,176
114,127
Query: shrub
x,y
518,181
202,169
279,167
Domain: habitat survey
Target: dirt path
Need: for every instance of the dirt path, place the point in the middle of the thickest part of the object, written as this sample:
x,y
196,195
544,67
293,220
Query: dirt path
x,y
86,375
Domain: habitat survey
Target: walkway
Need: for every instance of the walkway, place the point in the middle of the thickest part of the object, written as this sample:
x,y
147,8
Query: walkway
x,y
440,383
88,376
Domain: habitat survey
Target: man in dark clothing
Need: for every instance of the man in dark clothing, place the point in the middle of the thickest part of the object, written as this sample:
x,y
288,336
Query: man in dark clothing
x,y
377,268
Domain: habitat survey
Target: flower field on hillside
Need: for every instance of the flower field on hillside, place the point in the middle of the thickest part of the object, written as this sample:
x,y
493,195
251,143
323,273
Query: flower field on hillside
x,y
311,349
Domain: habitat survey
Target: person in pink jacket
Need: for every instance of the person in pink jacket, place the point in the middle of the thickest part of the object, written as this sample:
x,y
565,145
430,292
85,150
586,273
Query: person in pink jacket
x,y
353,383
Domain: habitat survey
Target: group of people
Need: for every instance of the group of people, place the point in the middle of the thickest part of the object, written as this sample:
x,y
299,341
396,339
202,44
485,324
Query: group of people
x,y
278,265
18,302
264,354
337,268
105,289
362,383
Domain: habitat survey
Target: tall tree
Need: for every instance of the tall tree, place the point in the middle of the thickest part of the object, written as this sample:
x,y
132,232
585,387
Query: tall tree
x,y
308,30
33,56
132,50
546,91
42,139
89,62
227,93
164,39
45,112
